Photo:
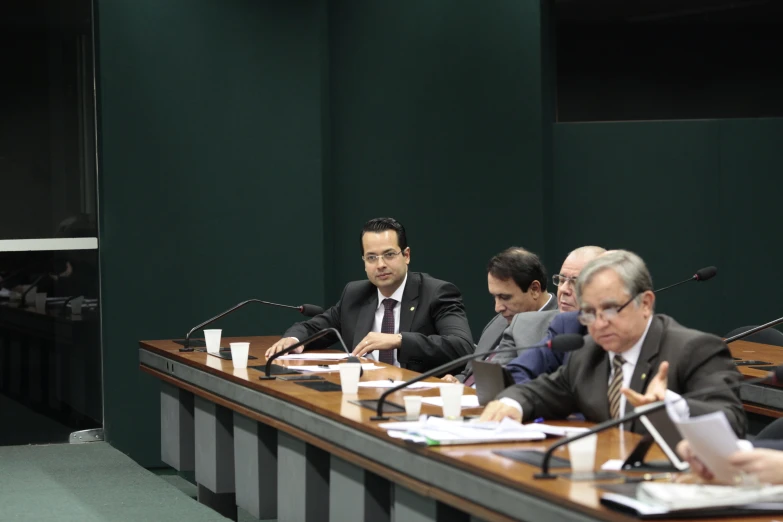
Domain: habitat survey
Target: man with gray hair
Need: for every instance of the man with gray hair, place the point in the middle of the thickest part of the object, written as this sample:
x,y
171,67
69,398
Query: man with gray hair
x,y
628,344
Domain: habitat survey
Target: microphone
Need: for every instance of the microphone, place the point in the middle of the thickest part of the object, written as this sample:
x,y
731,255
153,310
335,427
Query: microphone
x,y
774,377
317,335
703,274
30,287
750,332
306,309
561,343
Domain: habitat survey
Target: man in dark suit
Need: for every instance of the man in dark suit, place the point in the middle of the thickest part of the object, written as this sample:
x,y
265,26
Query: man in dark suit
x,y
529,364
628,344
516,279
404,318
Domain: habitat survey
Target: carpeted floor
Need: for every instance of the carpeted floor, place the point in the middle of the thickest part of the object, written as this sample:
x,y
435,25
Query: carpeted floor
x,y
88,483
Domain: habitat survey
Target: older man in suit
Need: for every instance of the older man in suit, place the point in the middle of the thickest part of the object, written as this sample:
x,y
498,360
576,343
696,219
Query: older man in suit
x,y
407,319
528,329
628,344
516,279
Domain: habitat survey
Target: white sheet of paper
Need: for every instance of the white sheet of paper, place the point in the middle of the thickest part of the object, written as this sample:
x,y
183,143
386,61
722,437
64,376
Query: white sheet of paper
x,y
331,368
468,401
391,384
313,356
711,439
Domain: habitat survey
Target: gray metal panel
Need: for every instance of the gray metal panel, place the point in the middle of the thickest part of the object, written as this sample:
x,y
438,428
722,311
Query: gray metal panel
x,y
177,433
303,481
412,507
255,467
214,446
467,485
356,494
768,396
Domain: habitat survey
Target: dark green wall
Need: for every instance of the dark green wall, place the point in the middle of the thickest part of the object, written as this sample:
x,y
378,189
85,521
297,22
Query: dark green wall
x,y
210,175
436,119
682,194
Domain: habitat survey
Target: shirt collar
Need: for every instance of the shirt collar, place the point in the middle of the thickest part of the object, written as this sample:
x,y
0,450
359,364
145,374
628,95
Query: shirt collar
x,y
632,356
545,304
397,295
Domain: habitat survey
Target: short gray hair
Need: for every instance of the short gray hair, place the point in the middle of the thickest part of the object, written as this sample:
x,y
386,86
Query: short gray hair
x,y
630,267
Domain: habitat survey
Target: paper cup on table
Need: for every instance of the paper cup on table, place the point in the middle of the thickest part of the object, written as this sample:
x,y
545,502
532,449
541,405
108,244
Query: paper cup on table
x,y
212,338
76,305
349,377
412,406
452,400
239,353
582,455
40,303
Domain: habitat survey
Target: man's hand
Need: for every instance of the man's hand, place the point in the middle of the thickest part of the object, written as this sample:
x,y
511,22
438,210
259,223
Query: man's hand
x,y
656,389
377,341
282,344
765,464
697,467
449,378
497,411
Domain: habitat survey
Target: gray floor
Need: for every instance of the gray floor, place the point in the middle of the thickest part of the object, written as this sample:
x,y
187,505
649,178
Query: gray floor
x,y
88,483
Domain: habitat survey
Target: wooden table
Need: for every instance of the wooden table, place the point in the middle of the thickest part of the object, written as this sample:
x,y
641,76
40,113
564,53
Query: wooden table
x,y
281,450
762,399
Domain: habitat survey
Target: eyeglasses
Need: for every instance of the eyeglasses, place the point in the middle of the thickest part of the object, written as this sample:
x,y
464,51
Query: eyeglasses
x,y
558,280
387,256
608,313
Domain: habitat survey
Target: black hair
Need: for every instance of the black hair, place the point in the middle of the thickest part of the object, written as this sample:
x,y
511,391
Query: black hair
x,y
385,223
520,265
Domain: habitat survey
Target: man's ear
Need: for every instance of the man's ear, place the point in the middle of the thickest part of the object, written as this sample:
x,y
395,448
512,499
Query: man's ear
x,y
534,289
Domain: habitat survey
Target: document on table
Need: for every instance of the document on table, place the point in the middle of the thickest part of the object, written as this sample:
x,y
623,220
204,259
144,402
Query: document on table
x,y
391,384
313,356
435,431
711,439
468,401
330,368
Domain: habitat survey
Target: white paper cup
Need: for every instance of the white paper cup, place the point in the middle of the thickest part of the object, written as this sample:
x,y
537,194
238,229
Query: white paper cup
x,y
349,377
452,400
582,454
212,337
76,305
239,353
412,406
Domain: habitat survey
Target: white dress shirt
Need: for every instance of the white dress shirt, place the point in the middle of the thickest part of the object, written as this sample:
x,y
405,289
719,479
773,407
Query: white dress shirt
x,y
631,357
376,325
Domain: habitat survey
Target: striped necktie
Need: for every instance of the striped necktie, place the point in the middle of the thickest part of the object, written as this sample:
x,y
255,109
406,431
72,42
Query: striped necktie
x,y
387,327
614,386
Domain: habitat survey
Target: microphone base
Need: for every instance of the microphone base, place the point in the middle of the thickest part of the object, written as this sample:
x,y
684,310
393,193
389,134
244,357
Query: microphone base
x,y
379,418
184,349
544,476
269,378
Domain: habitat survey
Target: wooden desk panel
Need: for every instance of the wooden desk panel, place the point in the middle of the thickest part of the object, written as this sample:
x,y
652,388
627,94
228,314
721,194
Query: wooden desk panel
x,y
477,460
766,399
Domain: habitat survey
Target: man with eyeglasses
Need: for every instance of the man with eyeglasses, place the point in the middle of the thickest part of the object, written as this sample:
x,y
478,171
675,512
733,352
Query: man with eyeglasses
x,y
407,319
516,279
632,357
529,329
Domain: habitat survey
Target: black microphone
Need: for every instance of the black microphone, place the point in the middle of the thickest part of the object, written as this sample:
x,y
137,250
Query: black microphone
x,y
747,333
703,274
306,309
317,335
774,377
561,343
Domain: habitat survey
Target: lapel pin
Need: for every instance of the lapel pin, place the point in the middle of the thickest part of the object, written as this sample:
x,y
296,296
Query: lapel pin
x,y
644,376
412,308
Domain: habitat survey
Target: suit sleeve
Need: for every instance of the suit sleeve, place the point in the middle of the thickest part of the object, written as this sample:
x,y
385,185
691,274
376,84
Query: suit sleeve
x,y
453,338
710,364
768,444
329,319
548,396
532,363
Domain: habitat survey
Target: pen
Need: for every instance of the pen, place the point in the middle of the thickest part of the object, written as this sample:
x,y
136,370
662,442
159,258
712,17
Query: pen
x,y
540,419
647,477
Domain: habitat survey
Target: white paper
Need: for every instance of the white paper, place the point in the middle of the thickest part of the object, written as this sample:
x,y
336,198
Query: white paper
x,y
436,431
468,401
391,384
613,465
313,356
330,368
711,439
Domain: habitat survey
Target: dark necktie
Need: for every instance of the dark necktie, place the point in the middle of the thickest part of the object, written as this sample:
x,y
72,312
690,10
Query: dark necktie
x,y
387,327
615,385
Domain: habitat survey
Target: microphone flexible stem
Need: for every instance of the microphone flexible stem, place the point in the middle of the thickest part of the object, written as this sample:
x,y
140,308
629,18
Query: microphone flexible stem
x,y
187,348
315,336
750,332
675,284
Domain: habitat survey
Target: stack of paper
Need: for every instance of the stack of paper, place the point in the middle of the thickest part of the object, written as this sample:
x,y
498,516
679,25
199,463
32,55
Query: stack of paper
x,y
330,368
435,431
388,383
313,356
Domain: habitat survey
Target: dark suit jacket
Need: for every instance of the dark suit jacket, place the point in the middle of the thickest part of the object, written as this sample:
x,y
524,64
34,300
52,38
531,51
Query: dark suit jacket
x,y
538,361
490,337
433,324
696,361
768,444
